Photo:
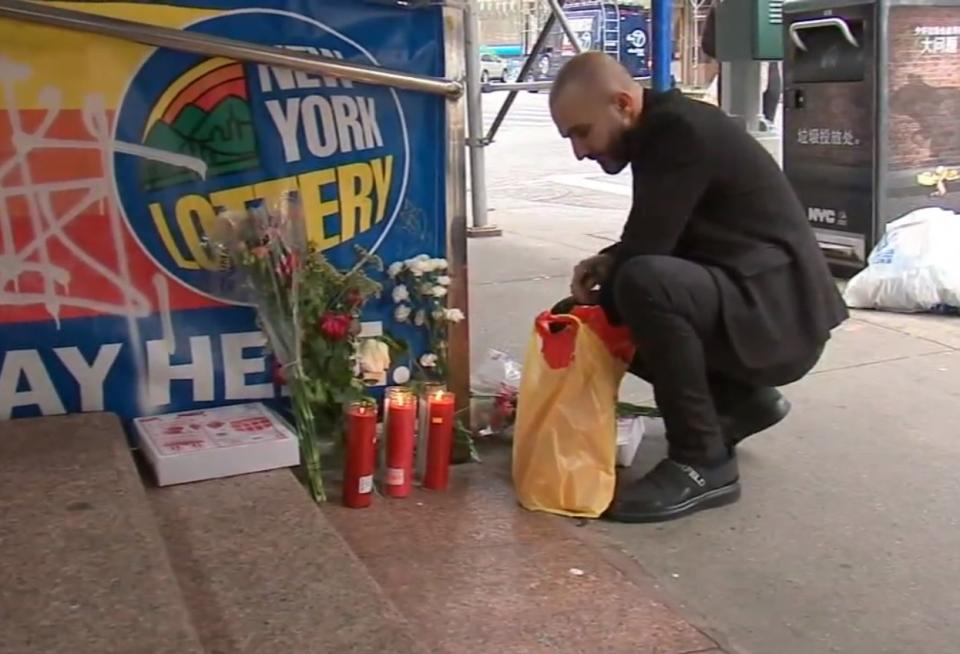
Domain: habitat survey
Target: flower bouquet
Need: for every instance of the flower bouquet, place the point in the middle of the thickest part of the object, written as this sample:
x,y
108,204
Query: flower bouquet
x,y
421,287
420,294
495,386
309,311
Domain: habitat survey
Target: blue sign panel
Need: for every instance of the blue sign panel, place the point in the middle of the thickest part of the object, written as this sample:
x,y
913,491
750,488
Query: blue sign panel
x,y
108,298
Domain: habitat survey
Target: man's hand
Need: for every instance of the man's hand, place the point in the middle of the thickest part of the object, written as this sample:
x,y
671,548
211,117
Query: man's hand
x,y
587,275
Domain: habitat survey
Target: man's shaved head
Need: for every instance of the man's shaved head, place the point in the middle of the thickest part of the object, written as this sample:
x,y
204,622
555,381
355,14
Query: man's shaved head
x,y
594,101
591,71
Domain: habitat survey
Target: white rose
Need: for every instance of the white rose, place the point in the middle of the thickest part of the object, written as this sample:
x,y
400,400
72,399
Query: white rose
x,y
422,257
440,264
428,360
400,294
417,267
374,356
395,269
439,291
420,318
401,375
401,313
453,315
443,280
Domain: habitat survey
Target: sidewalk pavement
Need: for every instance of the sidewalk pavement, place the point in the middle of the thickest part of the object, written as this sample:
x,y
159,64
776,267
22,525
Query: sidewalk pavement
x,y
473,572
847,536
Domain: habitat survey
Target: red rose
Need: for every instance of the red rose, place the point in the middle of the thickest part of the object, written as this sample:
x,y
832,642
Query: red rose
x,y
335,326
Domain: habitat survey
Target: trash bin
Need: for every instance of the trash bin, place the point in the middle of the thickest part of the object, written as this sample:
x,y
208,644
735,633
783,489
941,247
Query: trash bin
x,y
871,116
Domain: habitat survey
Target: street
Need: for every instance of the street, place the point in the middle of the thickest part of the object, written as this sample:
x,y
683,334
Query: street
x,y
847,538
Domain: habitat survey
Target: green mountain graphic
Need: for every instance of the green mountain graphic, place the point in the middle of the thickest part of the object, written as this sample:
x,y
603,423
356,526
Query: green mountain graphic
x,y
223,137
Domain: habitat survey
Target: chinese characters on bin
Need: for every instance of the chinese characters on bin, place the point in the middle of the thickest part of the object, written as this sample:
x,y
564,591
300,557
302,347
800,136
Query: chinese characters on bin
x,y
822,136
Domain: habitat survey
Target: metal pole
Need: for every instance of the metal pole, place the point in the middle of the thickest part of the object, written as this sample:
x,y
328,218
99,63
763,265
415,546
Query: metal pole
x,y
565,25
456,197
662,29
522,76
214,46
475,140
741,91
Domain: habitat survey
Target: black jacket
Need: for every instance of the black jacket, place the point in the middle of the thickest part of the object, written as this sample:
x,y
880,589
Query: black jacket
x,y
706,191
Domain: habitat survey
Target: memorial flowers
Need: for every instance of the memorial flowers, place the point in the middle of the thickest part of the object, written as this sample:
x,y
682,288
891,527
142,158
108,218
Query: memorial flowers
x,y
309,311
420,290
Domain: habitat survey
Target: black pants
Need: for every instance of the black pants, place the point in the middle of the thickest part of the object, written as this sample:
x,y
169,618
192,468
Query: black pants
x,y
672,307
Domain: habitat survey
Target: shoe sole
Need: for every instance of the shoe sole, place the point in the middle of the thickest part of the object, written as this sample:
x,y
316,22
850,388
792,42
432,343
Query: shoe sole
x,y
761,422
710,500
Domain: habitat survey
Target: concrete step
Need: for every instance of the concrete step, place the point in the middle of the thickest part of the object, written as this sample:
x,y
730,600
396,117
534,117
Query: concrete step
x,y
83,568
263,571
473,572
92,564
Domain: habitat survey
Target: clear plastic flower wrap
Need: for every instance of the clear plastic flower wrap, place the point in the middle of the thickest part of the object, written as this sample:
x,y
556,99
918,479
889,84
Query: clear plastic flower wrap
x,y
309,312
494,388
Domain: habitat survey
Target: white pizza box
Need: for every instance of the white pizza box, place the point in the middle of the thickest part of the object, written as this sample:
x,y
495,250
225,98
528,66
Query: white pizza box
x,y
630,433
219,442
629,436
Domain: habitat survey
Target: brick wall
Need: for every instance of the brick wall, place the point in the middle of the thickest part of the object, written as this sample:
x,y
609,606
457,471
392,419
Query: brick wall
x,y
924,100
501,29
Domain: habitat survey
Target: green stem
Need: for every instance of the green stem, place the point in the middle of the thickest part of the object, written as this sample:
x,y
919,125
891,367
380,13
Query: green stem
x,y
307,431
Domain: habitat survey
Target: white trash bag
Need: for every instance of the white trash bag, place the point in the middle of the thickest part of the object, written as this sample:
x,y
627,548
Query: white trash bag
x,y
915,267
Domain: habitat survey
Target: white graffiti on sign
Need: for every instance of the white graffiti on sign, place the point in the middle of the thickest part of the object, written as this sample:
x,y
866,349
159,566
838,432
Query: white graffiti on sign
x,y
25,375
47,227
33,256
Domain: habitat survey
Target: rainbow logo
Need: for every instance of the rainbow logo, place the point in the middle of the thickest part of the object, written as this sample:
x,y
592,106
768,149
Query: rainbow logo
x,y
204,113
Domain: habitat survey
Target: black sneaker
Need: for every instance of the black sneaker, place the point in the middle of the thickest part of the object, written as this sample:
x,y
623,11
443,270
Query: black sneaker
x,y
758,412
672,490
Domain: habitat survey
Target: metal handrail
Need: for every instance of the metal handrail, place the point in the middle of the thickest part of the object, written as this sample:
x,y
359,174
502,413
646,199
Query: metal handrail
x,y
215,46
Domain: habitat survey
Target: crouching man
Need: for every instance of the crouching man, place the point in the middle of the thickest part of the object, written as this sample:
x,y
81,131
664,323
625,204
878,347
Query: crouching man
x,y
717,274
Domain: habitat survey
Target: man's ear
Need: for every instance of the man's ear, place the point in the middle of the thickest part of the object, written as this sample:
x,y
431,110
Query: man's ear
x,y
624,102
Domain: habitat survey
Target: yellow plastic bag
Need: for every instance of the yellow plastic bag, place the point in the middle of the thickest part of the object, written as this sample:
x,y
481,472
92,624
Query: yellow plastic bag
x,y
564,444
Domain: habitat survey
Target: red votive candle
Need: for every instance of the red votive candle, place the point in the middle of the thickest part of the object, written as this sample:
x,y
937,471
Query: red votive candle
x,y
423,425
440,440
401,410
360,460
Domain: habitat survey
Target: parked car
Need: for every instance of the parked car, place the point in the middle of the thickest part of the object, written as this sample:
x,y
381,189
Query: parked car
x,y
492,67
513,69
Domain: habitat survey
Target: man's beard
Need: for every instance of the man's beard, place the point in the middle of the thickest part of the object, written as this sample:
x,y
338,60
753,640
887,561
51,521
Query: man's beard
x,y
616,160
612,166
